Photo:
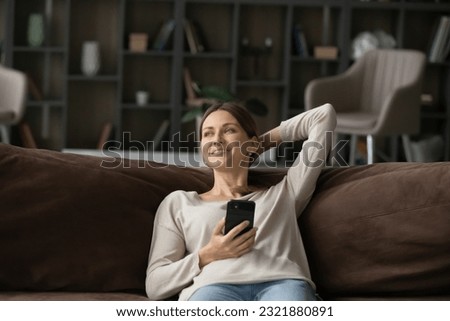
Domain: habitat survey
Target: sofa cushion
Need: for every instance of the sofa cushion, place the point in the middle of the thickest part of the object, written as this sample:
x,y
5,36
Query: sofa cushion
x,y
380,230
72,223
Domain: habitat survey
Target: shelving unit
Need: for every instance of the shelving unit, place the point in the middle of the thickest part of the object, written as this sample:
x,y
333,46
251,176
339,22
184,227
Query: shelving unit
x,y
152,71
248,51
331,30
92,100
420,18
45,66
3,28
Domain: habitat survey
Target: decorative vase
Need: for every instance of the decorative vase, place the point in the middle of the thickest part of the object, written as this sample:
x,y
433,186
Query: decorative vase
x,y
35,32
142,97
90,58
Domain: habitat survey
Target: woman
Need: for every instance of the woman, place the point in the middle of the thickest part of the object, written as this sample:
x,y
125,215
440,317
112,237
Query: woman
x,y
190,253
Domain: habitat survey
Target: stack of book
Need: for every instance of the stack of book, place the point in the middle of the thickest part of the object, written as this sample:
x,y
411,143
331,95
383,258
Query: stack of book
x,y
138,42
440,46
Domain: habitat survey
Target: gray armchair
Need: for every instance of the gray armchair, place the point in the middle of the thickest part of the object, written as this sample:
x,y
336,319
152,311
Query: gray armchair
x,y
379,95
12,98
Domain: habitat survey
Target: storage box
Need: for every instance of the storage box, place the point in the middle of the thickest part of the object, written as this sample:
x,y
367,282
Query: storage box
x,y
138,42
325,52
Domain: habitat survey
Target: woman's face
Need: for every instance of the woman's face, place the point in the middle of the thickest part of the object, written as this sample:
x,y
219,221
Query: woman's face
x,y
224,143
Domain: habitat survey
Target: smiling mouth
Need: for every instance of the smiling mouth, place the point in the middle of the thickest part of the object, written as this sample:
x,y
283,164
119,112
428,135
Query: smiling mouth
x,y
216,152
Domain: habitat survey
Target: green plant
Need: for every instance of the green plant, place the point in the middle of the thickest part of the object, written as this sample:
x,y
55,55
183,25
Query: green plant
x,y
211,94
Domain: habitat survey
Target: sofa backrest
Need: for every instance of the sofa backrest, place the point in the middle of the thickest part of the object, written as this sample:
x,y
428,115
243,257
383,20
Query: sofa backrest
x,y
72,223
81,223
380,231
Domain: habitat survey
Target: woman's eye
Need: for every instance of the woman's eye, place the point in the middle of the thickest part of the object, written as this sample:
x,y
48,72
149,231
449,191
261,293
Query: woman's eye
x,y
229,130
207,134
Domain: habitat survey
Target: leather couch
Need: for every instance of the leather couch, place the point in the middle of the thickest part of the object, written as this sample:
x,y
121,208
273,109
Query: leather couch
x,y
76,227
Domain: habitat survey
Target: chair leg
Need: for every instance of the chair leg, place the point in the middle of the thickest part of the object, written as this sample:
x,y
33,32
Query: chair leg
x,y
407,148
4,131
394,148
352,156
370,149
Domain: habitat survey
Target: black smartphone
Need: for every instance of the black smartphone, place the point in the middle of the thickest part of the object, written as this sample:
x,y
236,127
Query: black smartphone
x,y
237,212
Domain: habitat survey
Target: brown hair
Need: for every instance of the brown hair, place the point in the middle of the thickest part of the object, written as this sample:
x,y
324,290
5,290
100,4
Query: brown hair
x,y
237,111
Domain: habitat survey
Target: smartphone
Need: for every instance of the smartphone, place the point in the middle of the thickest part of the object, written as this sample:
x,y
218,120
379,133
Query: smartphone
x,y
237,212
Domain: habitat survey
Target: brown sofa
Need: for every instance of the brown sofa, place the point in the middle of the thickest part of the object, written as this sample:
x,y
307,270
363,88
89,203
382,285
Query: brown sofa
x,y
72,229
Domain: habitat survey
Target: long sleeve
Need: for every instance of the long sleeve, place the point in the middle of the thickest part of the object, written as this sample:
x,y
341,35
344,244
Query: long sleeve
x,y
169,269
311,126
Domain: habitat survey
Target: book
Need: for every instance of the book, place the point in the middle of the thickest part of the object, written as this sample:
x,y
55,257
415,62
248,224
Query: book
x,y
440,44
199,37
296,43
188,84
159,135
194,36
446,38
304,45
34,90
105,134
190,37
162,39
299,42
446,46
26,135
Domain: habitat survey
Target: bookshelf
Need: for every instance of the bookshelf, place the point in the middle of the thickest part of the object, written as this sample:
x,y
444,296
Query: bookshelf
x,y
243,53
422,19
45,66
151,71
3,15
322,25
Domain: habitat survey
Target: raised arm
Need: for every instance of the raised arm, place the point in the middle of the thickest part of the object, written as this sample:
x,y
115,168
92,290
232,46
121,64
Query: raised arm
x,y
311,127
269,140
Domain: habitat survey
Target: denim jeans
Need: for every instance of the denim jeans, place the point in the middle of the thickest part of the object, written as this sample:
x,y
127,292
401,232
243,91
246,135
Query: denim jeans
x,y
280,290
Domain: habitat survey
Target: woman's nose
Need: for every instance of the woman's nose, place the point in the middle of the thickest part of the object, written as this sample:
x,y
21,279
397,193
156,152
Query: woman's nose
x,y
218,138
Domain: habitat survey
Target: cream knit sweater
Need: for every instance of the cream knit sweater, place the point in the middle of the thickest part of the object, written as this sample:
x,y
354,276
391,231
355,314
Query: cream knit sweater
x,y
184,223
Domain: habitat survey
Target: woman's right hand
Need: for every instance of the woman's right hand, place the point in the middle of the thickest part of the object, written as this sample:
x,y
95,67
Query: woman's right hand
x,y
227,246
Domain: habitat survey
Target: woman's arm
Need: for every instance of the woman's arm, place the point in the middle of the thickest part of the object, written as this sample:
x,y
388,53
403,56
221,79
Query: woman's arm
x,y
269,140
311,127
272,138
169,269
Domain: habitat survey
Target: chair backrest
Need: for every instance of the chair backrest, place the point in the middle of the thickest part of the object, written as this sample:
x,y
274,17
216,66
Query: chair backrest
x,y
12,95
384,71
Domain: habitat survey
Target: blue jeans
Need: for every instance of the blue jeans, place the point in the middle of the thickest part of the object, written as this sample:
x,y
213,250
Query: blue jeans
x,y
280,290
